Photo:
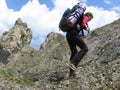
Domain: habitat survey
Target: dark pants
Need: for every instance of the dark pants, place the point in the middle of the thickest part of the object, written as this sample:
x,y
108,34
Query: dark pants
x,y
74,39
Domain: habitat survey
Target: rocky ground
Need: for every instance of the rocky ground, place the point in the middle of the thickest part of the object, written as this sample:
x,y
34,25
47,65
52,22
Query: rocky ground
x,y
25,68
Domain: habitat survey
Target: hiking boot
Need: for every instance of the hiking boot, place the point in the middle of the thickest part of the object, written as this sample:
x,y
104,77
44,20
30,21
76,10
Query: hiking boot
x,y
75,73
72,75
72,66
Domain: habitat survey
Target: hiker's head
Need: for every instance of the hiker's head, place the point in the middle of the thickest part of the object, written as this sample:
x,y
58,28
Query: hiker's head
x,y
89,14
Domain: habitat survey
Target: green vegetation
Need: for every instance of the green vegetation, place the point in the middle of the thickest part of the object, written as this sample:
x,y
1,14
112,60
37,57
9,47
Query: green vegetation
x,y
24,81
8,74
116,67
85,64
105,46
118,79
91,84
33,53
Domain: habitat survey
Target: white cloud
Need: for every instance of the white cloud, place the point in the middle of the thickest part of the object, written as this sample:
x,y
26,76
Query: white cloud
x,y
42,20
5,16
101,17
107,2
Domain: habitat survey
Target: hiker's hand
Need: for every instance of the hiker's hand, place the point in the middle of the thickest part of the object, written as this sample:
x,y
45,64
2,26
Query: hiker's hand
x,y
88,29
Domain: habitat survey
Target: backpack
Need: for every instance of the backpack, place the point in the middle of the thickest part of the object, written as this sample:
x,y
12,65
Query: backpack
x,y
63,24
70,17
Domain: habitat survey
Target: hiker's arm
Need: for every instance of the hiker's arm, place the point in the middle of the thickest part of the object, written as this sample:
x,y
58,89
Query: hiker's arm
x,y
87,27
84,23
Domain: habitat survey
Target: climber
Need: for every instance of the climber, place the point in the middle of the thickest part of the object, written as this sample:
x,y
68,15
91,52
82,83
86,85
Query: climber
x,y
74,39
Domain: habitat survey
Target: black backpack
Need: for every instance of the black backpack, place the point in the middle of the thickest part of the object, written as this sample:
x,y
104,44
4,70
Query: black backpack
x,y
63,24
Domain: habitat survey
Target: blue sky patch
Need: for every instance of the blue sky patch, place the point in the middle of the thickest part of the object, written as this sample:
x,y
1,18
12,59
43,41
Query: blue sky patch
x,y
16,5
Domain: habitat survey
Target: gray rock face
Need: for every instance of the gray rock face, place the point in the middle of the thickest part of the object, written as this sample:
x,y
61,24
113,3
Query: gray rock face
x,y
51,40
13,40
104,43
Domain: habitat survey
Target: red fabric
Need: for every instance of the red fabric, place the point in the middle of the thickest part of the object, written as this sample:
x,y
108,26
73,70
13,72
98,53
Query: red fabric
x,y
69,23
84,22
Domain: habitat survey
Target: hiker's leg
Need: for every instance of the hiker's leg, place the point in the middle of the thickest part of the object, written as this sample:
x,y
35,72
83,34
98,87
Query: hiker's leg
x,y
73,51
72,46
79,42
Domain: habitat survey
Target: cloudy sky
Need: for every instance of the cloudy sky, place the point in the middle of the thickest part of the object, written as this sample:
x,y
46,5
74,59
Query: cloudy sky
x,y
42,16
